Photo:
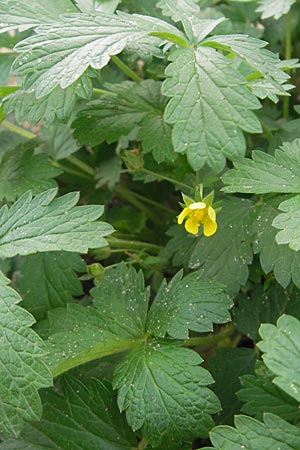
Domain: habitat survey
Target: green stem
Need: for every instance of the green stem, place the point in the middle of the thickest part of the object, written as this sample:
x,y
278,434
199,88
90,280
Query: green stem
x,y
163,177
143,444
129,196
267,132
18,130
209,339
288,55
121,189
97,91
69,170
117,61
83,166
132,245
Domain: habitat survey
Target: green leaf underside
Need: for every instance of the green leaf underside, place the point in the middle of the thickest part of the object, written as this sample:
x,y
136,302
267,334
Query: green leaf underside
x,y
199,79
84,41
128,106
259,395
164,393
263,306
109,172
22,170
59,104
44,223
225,256
22,15
288,222
251,434
188,303
226,368
177,9
274,8
266,173
281,259
48,280
82,417
22,368
281,347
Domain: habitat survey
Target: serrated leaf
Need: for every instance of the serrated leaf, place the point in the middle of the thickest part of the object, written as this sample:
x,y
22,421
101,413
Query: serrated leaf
x,y
109,172
281,353
115,322
6,60
128,105
259,395
84,41
261,306
289,223
57,105
274,8
188,303
226,367
179,248
82,416
266,173
177,9
225,256
21,170
252,51
22,368
55,285
249,433
198,80
281,259
59,141
164,393
44,223
25,15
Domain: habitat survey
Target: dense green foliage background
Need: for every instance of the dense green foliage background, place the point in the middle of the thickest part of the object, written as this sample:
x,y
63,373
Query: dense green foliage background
x,y
128,332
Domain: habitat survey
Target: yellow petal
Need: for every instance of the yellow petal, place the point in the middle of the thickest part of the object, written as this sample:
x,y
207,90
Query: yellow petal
x,y
192,225
211,213
185,212
209,227
197,205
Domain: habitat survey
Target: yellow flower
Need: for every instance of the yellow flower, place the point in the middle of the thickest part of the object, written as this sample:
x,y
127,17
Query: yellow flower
x,y
196,214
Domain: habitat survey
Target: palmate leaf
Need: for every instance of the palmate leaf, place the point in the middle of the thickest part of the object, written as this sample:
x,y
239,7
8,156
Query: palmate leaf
x,y
55,285
259,395
22,367
177,9
225,256
44,223
28,14
114,323
281,259
281,353
289,222
84,41
164,393
274,8
22,170
266,173
273,433
128,105
188,303
198,81
81,417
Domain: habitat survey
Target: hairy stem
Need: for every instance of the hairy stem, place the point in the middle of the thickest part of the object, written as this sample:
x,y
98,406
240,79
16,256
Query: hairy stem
x,y
132,245
18,130
163,177
200,341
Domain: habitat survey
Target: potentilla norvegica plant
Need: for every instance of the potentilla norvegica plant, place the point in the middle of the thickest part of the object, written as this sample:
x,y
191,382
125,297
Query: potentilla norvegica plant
x,y
149,225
